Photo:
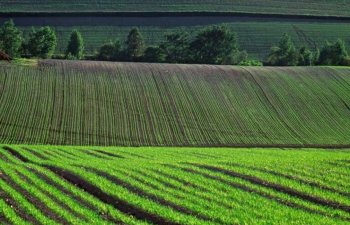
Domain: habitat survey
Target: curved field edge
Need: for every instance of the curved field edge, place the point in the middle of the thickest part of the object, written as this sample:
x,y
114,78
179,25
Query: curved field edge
x,y
168,185
291,7
140,104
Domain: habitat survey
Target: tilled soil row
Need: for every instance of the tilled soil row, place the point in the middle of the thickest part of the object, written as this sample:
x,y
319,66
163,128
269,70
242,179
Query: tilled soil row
x,y
280,188
119,204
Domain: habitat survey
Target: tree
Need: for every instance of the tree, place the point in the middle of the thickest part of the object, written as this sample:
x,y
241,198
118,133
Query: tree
x,y
305,57
285,54
134,45
176,47
251,63
333,53
10,39
75,46
110,51
154,54
42,43
238,58
346,61
214,45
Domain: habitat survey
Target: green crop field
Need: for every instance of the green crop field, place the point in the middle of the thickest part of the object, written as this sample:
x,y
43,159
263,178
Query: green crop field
x,y
105,103
256,36
99,185
100,143
305,7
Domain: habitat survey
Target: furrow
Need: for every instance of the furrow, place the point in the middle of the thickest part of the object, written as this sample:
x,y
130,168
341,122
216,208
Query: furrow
x,y
279,188
119,204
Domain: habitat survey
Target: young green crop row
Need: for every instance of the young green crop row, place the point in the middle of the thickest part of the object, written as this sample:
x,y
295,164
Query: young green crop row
x,y
311,7
101,103
55,185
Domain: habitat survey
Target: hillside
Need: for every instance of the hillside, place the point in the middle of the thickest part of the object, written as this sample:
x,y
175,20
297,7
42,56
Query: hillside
x,y
101,103
292,7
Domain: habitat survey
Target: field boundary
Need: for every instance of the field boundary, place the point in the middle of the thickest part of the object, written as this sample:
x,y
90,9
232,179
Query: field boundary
x,y
263,146
170,14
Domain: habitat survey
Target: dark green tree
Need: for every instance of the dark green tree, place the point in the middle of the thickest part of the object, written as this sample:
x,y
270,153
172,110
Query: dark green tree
x,y
316,56
238,58
110,51
333,53
285,54
346,61
134,45
42,43
10,39
176,47
306,57
75,48
214,45
154,54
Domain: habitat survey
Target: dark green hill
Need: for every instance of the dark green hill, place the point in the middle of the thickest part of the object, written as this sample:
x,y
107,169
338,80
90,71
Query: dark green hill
x,y
289,7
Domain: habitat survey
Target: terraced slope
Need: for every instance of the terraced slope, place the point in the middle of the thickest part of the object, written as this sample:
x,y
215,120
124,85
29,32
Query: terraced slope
x,y
56,185
295,7
102,103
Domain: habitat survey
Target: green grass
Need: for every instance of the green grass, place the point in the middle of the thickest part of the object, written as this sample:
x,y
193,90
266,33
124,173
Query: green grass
x,y
55,185
25,62
309,7
257,37
130,104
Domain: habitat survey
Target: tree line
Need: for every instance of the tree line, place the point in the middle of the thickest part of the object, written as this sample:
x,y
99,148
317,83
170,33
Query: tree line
x,y
41,43
211,45
286,54
214,45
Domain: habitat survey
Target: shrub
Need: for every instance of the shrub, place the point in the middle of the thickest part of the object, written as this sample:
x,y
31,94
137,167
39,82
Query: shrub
x,y
251,63
333,53
154,54
110,51
346,61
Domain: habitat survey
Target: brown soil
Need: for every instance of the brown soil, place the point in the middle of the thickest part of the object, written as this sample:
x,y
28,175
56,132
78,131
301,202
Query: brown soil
x,y
295,178
19,211
35,201
150,196
260,193
280,188
16,154
119,204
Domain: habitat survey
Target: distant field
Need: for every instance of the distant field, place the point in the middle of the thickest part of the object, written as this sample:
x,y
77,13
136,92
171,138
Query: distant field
x,y
256,35
101,103
56,185
295,7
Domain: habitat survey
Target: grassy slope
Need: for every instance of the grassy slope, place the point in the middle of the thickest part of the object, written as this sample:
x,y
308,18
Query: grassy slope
x,y
309,7
100,103
49,185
